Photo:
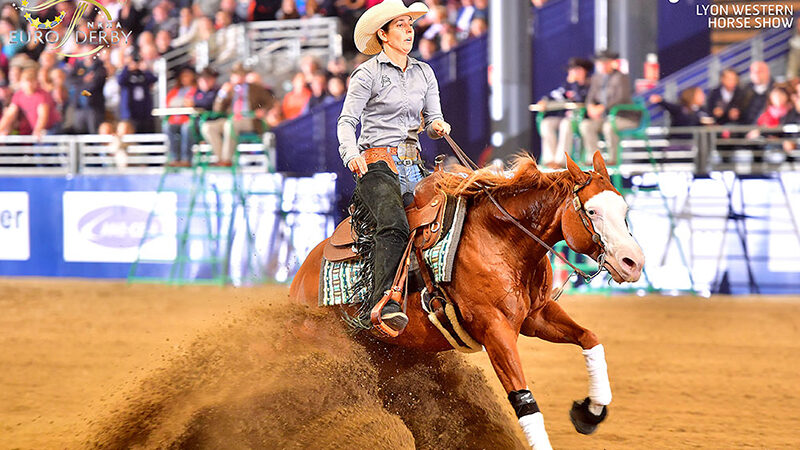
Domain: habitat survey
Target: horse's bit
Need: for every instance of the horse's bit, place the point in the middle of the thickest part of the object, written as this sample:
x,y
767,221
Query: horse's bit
x,y
576,202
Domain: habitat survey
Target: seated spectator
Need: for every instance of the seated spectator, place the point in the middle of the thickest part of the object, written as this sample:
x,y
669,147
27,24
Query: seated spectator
x,y
756,92
247,102
225,40
448,41
481,11
319,92
206,90
136,100
609,87
33,104
478,27
222,19
161,20
336,88
203,100
288,10
87,102
163,41
426,49
229,6
337,67
187,27
131,17
438,20
691,110
464,18
309,66
778,106
180,96
725,101
295,101
556,127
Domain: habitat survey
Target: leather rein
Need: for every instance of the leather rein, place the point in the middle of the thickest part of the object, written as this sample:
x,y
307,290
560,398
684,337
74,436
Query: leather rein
x,y
576,203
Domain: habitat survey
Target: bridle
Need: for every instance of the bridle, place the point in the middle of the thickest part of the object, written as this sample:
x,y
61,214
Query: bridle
x,y
576,203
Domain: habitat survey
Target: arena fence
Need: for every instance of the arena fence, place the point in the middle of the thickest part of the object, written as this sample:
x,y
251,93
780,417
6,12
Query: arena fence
x,y
94,154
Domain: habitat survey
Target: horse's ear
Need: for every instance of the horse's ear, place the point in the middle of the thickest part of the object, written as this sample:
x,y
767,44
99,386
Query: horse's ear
x,y
578,176
600,165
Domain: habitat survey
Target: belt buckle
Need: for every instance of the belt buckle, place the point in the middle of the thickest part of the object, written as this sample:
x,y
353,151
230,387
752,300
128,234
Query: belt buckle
x,y
407,153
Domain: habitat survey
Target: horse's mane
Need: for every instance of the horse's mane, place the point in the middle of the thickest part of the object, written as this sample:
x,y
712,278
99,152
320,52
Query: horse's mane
x,y
524,175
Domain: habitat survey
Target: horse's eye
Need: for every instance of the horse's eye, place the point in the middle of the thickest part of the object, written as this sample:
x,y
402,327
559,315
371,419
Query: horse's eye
x,y
591,212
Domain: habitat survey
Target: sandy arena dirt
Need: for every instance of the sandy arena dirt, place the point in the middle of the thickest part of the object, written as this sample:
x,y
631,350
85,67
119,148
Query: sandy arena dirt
x,y
107,364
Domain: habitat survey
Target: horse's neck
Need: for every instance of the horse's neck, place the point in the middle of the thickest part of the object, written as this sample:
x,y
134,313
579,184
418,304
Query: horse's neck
x,y
538,210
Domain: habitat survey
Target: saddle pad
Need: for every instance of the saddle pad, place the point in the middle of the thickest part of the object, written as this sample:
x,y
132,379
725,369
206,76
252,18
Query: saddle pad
x,y
337,278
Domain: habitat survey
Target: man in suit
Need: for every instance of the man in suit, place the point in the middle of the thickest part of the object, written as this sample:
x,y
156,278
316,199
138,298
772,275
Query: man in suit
x,y
756,92
556,127
725,101
609,87
247,102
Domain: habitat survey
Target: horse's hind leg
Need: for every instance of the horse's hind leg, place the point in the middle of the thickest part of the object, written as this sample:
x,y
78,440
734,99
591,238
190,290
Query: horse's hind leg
x,y
553,324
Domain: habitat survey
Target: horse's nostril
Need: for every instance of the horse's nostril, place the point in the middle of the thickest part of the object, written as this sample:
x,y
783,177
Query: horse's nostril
x,y
629,263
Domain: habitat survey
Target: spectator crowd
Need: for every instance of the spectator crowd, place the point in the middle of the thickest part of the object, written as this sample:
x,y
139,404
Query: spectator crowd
x,y
112,92
600,86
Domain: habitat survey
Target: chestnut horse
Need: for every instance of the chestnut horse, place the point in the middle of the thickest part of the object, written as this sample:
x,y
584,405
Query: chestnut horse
x,y
502,279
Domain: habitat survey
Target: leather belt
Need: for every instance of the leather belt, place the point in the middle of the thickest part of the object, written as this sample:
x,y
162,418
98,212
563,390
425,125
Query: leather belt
x,y
385,154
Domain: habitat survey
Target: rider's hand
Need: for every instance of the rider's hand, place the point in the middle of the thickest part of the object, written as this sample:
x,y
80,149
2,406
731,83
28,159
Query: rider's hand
x,y
440,127
358,165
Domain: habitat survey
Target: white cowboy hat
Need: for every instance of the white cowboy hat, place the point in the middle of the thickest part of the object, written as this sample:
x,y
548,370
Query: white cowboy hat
x,y
373,19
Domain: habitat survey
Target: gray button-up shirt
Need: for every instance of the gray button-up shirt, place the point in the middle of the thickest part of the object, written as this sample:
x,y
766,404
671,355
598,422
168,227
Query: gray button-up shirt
x,y
388,103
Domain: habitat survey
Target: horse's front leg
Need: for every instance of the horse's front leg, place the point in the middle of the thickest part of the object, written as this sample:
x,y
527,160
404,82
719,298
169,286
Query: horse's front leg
x,y
499,338
553,324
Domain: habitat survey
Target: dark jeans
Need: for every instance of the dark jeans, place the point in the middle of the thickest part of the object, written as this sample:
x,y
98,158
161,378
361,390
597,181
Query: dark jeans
x,y
379,190
180,141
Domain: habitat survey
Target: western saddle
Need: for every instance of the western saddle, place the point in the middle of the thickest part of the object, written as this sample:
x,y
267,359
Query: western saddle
x,y
426,215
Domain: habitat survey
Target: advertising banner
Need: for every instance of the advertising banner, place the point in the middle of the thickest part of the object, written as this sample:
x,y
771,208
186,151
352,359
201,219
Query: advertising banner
x,y
14,226
109,226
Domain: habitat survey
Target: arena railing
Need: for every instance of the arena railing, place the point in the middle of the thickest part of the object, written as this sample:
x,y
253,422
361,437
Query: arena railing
x,y
703,149
267,46
770,46
94,154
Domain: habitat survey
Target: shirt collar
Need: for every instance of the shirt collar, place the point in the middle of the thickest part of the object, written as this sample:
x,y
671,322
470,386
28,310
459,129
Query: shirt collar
x,y
383,58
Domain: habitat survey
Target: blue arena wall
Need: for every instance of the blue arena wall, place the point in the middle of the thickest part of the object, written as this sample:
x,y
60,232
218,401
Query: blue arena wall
x,y
91,226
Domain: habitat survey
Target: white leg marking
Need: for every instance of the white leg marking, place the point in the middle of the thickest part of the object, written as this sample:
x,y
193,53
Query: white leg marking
x,y
533,427
599,387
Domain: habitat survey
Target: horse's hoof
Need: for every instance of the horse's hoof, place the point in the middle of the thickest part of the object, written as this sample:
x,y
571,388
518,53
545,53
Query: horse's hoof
x,y
584,421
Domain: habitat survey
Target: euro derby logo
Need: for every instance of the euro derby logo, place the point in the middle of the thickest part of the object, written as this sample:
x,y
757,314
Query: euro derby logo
x,y
99,34
746,16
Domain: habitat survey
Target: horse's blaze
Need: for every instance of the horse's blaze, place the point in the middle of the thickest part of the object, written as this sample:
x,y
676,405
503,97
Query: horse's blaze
x,y
624,257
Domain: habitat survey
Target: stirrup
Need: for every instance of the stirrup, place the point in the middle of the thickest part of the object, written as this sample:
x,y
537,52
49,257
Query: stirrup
x,y
375,315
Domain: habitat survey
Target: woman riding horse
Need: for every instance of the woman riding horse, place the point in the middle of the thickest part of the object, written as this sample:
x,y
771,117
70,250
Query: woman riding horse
x,y
387,95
